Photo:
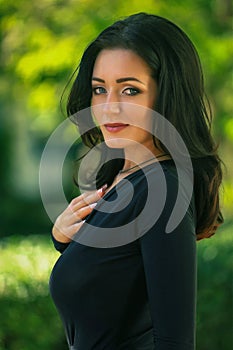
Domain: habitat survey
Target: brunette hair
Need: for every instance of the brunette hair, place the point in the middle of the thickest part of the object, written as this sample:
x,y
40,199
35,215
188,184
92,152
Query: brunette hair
x,y
176,68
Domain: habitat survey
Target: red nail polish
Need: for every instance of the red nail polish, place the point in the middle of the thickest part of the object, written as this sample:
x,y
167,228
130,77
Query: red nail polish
x,y
103,189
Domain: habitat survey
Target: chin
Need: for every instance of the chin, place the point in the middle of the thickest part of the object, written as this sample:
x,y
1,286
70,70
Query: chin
x,y
117,142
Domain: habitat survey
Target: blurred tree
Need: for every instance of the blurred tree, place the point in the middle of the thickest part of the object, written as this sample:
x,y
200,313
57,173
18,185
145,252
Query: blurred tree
x,y
41,44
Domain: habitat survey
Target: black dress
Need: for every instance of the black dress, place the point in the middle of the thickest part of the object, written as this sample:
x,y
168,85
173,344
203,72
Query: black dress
x,y
139,295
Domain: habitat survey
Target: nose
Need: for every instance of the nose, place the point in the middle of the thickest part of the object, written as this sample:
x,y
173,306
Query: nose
x,y
112,104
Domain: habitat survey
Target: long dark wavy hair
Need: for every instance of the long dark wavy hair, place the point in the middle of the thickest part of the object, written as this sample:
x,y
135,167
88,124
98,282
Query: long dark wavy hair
x,y
176,68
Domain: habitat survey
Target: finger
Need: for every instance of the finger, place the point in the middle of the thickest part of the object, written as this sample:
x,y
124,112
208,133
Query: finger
x,y
75,228
85,195
70,231
70,216
81,213
87,198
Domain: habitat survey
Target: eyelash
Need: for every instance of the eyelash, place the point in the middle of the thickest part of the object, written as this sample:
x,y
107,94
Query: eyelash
x,y
134,91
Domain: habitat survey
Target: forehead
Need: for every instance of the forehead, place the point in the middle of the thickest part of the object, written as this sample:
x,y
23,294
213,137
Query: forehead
x,y
119,61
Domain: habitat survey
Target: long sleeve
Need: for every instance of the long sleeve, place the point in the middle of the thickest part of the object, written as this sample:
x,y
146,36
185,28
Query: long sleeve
x,y
60,246
170,271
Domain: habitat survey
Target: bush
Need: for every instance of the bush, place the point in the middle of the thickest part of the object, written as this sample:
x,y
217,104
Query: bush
x,y
29,320
214,302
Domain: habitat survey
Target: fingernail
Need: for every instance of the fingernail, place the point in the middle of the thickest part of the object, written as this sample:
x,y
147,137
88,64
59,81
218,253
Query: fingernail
x,y
92,205
102,189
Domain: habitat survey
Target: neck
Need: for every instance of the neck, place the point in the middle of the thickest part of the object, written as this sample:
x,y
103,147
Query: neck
x,y
137,159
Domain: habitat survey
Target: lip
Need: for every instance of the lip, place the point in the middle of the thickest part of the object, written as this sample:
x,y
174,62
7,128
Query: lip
x,y
115,127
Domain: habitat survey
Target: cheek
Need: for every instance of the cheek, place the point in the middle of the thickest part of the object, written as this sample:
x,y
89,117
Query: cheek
x,y
141,118
96,114
141,134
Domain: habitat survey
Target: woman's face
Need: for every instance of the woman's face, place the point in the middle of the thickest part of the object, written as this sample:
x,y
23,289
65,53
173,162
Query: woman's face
x,y
123,91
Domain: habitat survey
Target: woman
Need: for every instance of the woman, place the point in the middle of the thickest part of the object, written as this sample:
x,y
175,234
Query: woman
x,y
139,293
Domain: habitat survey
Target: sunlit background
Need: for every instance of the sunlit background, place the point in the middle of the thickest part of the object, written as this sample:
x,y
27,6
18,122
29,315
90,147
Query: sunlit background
x,y
41,44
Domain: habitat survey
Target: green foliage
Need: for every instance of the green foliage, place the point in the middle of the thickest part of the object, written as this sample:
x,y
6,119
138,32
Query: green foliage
x,y
29,320
30,325
41,44
25,263
214,302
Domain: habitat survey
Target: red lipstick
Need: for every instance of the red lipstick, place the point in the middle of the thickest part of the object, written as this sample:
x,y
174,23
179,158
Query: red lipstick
x,y
115,127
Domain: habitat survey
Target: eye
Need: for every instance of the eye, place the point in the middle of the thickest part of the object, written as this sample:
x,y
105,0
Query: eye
x,y
98,90
131,91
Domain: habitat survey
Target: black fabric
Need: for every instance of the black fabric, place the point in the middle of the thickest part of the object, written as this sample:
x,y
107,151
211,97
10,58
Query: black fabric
x,y
138,296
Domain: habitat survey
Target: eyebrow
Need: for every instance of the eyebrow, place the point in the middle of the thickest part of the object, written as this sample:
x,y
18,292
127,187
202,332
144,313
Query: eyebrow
x,y
120,80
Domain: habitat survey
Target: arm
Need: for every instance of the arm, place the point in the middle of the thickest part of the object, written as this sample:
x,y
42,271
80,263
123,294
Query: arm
x,y
60,246
170,270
